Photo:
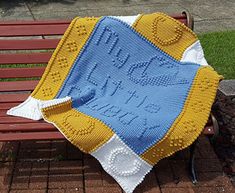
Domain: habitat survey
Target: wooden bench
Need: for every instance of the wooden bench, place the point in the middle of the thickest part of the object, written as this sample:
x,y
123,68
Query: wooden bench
x,y
30,43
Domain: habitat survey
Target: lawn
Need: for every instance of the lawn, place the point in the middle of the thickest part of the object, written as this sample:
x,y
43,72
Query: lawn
x,y
219,49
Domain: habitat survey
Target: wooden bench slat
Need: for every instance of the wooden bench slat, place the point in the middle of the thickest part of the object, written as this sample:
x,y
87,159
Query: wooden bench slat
x,y
30,22
35,29
31,136
32,30
34,44
6,106
21,72
40,22
3,113
13,119
18,85
5,98
27,127
17,128
25,58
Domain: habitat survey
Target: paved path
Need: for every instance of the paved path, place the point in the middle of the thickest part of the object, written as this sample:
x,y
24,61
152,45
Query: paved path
x,y
58,167
210,15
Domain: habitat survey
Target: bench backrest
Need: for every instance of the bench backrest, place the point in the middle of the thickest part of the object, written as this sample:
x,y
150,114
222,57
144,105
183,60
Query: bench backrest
x,y
26,47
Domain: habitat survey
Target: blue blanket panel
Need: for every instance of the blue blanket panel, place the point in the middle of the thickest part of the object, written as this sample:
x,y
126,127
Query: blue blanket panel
x,y
128,83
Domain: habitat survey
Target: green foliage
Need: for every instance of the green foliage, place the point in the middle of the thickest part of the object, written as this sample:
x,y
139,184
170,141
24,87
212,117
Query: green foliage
x,y
219,49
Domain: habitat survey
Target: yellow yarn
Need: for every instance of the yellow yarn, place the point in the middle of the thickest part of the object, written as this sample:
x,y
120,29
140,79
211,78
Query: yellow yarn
x,y
85,132
63,57
89,133
192,119
168,34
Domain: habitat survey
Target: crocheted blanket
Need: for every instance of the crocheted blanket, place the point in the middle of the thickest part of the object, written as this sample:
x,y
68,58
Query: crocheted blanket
x,y
128,90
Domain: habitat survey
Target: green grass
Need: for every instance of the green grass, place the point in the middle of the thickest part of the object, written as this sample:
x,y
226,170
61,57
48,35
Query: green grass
x,y
219,49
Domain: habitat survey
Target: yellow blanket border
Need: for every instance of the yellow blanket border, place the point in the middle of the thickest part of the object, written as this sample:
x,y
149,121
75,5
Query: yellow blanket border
x,y
190,123
83,131
64,57
165,32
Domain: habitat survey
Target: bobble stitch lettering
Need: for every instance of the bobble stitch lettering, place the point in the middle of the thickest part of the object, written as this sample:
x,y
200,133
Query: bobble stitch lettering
x,y
127,118
142,102
121,61
90,71
109,33
132,94
117,86
114,43
105,82
94,105
146,128
111,111
100,36
152,108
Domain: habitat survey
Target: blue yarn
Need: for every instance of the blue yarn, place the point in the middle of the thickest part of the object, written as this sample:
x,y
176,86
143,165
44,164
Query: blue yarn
x,y
128,83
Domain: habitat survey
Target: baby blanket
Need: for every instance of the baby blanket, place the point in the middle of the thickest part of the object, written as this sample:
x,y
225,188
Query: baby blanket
x,y
128,90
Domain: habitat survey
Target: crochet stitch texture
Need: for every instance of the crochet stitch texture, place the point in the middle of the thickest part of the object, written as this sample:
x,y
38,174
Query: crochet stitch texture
x,y
128,90
119,89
